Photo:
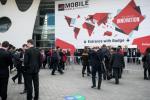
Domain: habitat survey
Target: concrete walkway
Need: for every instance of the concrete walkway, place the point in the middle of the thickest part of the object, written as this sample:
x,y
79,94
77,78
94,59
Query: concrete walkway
x,y
132,86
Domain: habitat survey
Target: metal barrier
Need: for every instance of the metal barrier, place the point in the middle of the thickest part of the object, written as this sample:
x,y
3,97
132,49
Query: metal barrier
x,y
73,60
77,60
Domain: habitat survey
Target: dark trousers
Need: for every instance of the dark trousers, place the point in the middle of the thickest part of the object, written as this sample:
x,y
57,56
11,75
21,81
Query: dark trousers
x,y
18,75
35,79
49,62
62,65
77,60
54,67
133,59
128,59
25,80
94,71
138,61
86,66
117,74
3,88
146,70
59,67
106,70
11,67
44,63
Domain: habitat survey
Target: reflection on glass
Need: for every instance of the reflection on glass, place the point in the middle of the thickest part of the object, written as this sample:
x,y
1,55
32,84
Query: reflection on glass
x,y
49,44
5,24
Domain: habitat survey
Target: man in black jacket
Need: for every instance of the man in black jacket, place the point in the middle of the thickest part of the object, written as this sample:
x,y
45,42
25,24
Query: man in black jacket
x,y
5,61
24,47
146,64
32,62
117,63
96,63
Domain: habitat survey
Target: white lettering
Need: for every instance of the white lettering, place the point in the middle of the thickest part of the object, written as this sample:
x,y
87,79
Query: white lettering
x,y
128,20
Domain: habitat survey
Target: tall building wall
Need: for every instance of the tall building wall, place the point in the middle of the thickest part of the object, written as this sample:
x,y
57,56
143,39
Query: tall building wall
x,y
22,15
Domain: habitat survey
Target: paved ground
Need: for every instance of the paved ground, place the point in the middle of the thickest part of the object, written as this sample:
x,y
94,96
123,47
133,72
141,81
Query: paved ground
x,y
132,86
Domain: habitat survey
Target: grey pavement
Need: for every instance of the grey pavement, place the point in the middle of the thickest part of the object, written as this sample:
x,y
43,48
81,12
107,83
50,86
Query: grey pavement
x,y
132,86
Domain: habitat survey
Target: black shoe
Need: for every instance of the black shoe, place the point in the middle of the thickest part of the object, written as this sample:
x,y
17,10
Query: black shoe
x,y
62,72
13,80
82,75
93,86
36,99
104,78
120,77
116,82
145,78
98,88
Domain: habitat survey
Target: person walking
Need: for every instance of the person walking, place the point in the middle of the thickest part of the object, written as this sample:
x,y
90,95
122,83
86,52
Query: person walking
x,y
18,64
117,63
44,58
54,61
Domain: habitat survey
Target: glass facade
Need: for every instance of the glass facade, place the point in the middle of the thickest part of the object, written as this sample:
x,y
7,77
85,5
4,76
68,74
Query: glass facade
x,y
44,30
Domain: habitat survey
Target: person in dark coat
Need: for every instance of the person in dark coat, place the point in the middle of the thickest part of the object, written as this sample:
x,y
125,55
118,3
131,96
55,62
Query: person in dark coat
x,y
32,63
11,50
61,65
18,65
129,55
5,61
96,63
85,62
134,55
106,58
44,58
24,47
117,63
49,54
68,54
146,66
54,61
60,62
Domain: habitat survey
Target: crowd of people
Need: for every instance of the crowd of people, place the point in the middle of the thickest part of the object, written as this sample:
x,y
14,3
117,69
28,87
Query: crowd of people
x,y
28,60
108,63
